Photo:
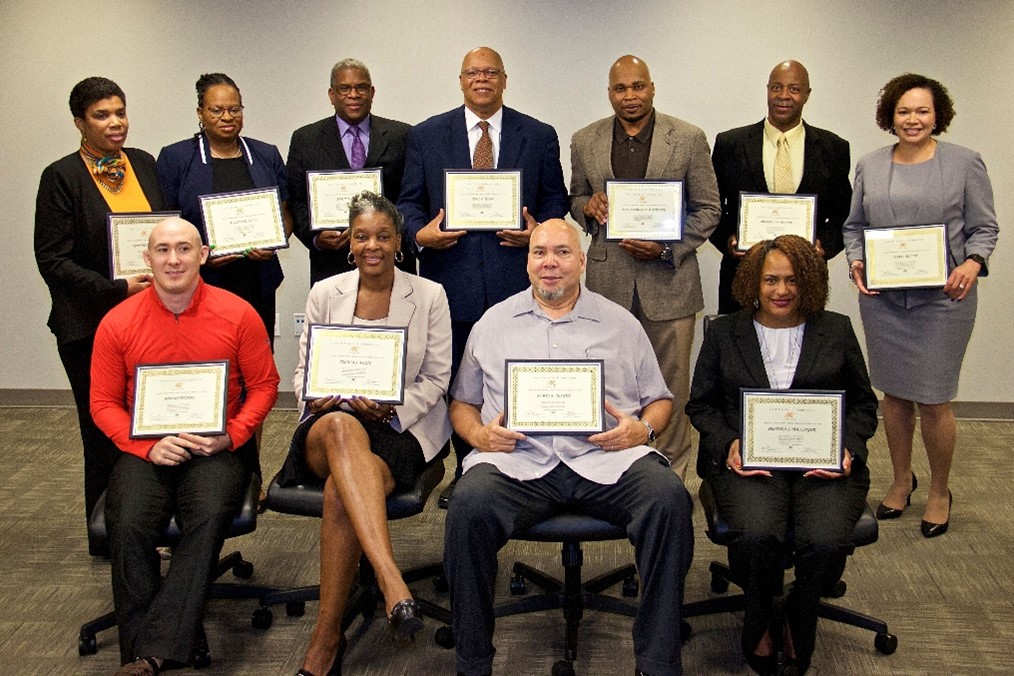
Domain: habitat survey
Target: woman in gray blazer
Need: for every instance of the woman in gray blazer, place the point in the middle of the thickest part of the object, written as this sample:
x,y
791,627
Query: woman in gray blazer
x,y
361,449
916,339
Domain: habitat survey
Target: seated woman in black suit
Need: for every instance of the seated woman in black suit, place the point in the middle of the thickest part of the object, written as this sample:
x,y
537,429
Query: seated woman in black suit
x,y
784,339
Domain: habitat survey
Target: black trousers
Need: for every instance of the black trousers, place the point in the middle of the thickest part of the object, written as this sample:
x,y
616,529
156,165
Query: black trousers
x,y
821,514
649,500
100,454
157,617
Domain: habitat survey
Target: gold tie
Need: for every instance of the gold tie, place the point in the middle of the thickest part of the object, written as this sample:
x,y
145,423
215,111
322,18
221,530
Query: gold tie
x,y
783,168
483,158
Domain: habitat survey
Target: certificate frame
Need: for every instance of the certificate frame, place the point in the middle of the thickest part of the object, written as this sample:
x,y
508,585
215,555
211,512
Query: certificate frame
x,y
388,388
645,204
218,220
322,218
927,242
152,383
126,229
460,215
774,419
750,223
521,375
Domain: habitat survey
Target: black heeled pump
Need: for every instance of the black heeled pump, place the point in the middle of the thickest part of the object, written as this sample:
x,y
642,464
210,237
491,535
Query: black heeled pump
x,y
884,512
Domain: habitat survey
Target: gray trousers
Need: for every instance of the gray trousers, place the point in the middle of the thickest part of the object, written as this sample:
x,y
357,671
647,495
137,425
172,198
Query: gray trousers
x,y
649,500
157,617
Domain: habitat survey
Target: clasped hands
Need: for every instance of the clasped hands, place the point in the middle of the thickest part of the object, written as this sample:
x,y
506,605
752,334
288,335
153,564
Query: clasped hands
x,y
363,406
431,236
177,449
734,462
628,432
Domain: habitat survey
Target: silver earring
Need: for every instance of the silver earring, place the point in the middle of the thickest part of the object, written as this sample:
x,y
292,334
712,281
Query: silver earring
x,y
399,257
351,259
756,303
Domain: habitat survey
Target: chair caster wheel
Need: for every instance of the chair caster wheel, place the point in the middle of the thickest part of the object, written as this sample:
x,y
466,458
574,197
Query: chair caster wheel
x,y
630,587
86,645
202,659
563,668
295,608
440,584
719,584
444,637
685,630
885,643
262,618
518,586
243,569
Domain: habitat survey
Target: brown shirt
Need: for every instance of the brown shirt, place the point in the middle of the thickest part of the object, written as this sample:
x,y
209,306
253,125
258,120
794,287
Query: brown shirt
x,y
630,153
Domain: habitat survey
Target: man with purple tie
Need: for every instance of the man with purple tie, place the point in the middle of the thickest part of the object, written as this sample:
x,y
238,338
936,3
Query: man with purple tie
x,y
352,138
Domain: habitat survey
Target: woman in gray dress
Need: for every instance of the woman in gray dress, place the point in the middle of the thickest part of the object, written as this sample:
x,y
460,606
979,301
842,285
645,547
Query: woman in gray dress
x,y
916,339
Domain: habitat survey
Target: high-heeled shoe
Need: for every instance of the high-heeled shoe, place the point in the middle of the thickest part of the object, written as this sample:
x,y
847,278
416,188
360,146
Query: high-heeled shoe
x,y
405,619
930,529
884,512
336,665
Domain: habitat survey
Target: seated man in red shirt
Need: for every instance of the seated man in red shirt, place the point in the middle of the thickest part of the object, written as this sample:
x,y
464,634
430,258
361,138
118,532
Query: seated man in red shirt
x,y
199,478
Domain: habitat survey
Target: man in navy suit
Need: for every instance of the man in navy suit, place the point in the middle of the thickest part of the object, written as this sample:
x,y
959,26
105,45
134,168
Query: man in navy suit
x,y
745,158
331,144
478,269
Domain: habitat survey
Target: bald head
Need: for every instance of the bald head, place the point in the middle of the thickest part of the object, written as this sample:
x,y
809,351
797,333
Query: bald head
x,y
631,93
555,264
483,80
174,229
629,63
788,92
484,53
558,229
175,254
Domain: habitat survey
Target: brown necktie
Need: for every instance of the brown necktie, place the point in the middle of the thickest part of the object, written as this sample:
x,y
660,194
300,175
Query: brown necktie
x,y
483,158
783,168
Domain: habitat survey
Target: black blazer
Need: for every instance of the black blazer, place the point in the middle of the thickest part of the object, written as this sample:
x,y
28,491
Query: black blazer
x,y
739,166
72,242
318,147
730,358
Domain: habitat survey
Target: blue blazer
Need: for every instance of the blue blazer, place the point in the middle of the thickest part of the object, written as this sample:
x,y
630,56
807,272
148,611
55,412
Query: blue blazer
x,y
184,172
477,272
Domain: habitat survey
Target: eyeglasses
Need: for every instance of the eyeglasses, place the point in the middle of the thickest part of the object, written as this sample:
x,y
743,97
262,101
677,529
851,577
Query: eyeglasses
x,y
217,112
488,73
361,89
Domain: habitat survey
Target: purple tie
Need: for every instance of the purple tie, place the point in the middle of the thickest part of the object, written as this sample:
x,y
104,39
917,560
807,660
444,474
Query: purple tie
x,y
358,160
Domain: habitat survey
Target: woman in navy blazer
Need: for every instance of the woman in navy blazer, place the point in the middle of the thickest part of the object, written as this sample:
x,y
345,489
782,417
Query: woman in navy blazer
x,y
785,340
217,159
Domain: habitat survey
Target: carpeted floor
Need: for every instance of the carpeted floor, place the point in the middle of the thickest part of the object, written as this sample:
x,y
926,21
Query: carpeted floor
x,y
950,600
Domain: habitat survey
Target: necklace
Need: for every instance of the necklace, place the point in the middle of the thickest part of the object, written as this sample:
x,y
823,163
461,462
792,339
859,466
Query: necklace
x,y
230,156
780,359
109,171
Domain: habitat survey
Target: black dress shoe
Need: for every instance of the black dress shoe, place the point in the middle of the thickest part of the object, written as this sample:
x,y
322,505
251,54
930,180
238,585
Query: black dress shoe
x,y
445,496
336,665
884,512
405,619
762,664
930,529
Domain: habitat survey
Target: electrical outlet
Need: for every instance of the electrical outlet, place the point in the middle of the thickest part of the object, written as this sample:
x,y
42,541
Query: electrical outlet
x,y
298,322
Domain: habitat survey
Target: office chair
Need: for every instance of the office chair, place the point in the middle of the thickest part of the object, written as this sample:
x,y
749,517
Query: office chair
x,y
244,522
308,500
865,533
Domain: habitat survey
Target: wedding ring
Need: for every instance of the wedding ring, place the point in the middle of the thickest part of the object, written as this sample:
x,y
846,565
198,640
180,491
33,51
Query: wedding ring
x,y
961,286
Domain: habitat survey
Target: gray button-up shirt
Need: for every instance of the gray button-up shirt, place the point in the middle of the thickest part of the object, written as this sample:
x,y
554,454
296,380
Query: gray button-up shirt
x,y
595,329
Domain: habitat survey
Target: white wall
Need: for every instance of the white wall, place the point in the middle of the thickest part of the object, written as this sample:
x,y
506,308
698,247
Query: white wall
x,y
709,61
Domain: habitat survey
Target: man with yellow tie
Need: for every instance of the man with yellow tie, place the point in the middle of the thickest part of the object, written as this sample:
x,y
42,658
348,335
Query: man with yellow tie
x,y
780,154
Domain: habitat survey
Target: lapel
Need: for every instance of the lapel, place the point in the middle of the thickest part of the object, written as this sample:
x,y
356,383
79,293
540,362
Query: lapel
x,y
753,147
749,348
812,337
331,145
456,138
342,306
662,148
602,151
813,165
402,306
378,142
512,141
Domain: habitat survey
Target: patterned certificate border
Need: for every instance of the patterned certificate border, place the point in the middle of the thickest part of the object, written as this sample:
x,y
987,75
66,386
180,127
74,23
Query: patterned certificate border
x,y
913,237
124,227
211,422
393,339
360,180
512,221
268,236
829,403
671,227
747,236
592,369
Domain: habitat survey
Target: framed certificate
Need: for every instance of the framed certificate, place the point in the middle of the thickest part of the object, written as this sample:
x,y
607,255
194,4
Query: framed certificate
x,y
128,238
482,200
237,221
907,257
329,194
347,361
554,397
649,210
763,216
792,429
174,398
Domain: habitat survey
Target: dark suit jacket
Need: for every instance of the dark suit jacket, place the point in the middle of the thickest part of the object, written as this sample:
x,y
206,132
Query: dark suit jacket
x,y
477,272
72,242
730,358
318,147
739,166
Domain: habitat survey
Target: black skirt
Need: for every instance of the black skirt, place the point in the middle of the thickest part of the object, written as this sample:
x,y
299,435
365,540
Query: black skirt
x,y
400,451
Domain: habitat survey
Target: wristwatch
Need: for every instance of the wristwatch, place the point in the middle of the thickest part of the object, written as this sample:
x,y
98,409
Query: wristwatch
x,y
978,259
666,254
651,431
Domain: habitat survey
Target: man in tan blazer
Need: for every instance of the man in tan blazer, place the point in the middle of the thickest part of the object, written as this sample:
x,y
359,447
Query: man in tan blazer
x,y
659,283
